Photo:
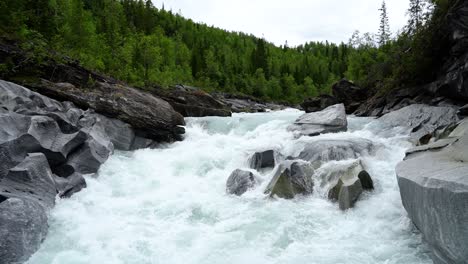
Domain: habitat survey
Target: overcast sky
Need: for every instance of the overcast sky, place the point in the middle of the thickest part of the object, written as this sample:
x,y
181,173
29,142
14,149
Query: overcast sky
x,y
296,21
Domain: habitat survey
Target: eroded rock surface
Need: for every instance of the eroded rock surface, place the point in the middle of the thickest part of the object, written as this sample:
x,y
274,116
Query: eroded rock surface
x,y
434,190
331,119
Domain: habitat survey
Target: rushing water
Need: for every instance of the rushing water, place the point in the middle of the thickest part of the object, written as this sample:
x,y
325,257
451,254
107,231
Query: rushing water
x,y
169,205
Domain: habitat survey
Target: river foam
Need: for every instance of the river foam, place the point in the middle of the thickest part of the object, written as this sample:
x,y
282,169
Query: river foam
x,y
169,205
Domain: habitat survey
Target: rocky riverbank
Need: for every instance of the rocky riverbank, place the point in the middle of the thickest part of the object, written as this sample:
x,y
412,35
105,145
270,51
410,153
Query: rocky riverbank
x,y
46,147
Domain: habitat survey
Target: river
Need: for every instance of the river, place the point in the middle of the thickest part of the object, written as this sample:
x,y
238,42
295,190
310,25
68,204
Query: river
x,y
169,205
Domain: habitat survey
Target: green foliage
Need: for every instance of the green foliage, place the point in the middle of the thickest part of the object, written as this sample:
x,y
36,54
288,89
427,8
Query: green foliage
x,y
138,43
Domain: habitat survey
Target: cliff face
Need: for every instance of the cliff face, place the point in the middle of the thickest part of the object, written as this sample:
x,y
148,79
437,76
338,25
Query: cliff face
x,y
433,178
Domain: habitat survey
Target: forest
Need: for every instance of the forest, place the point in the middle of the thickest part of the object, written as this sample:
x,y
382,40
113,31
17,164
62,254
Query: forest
x,y
147,47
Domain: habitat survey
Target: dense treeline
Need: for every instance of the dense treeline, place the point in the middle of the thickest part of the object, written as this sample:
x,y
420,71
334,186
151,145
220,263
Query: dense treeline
x,y
136,42
412,57
133,41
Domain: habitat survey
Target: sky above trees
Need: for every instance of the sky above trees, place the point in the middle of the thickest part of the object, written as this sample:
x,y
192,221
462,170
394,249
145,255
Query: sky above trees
x,y
297,21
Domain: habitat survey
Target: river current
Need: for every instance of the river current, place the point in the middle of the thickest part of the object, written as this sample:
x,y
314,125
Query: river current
x,y
169,205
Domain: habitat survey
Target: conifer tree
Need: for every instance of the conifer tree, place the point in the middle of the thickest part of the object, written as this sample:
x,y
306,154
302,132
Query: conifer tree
x,y
416,15
384,29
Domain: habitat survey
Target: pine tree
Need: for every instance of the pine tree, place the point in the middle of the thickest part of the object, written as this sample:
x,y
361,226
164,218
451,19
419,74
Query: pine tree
x,y
416,15
384,29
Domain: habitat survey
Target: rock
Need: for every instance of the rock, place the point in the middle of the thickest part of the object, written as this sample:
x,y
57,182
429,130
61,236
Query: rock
x,y
420,120
261,160
434,191
14,98
331,119
246,104
240,182
291,180
461,129
318,103
346,192
119,133
345,183
66,187
439,144
349,94
88,159
31,178
321,151
463,111
144,112
366,180
23,226
193,102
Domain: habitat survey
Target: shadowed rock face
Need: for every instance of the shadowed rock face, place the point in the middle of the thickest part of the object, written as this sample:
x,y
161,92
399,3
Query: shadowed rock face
x,y
318,103
349,94
331,119
193,102
261,160
433,183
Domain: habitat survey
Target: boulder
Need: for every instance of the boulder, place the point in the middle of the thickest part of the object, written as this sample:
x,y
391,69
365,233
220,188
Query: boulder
x,y
349,94
23,227
261,160
321,151
246,104
291,180
331,119
434,190
143,111
66,187
420,120
240,182
31,179
344,183
366,180
193,102
318,103
346,192
119,133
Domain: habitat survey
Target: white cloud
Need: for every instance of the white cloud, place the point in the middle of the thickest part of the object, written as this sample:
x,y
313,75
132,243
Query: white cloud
x,y
296,21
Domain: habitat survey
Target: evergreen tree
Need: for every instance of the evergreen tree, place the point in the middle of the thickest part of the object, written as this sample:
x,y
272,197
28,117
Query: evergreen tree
x,y
416,15
384,29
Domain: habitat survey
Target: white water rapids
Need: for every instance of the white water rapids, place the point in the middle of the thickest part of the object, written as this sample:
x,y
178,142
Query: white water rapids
x,y
170,205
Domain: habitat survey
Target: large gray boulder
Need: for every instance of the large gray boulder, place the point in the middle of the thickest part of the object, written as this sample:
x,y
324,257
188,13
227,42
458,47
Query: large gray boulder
x,y
240,182
290,180
23,227
420,119
32,178
26,193
144,112
331,119
434,190
321,151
